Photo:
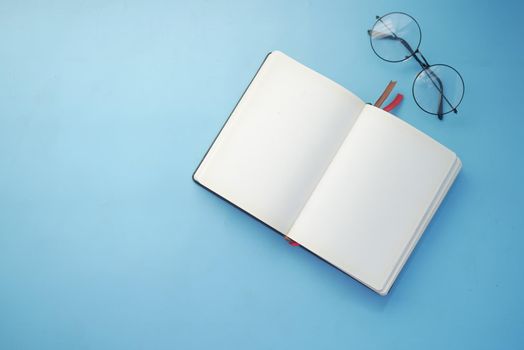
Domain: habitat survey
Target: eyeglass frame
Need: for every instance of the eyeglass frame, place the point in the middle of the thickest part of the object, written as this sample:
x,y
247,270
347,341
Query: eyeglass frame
x,y
426,67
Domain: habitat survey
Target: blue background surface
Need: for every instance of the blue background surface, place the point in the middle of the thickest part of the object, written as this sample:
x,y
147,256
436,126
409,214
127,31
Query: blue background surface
x,y
106,108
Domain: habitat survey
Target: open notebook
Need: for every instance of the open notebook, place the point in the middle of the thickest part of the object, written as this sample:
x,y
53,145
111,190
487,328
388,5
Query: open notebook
x,y
350,182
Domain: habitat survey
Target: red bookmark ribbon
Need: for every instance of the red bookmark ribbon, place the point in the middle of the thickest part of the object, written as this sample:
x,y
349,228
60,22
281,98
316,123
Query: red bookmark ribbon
x,y
396,101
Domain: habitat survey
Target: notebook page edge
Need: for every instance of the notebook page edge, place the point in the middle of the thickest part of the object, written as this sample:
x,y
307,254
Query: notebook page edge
x,y
424,222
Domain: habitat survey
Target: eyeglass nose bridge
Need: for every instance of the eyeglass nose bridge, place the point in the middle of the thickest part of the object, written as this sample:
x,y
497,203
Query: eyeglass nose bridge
x,y
419,57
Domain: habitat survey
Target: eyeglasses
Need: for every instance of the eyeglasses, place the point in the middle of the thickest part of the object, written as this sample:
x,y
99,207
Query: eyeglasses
x,y
437,89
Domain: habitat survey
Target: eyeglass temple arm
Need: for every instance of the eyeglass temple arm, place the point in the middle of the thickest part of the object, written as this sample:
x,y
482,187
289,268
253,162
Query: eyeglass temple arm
x,y
382,35
423,63
440,111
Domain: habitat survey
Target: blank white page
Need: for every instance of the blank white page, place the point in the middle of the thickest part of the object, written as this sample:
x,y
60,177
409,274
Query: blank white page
x,y
279,140
371,206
